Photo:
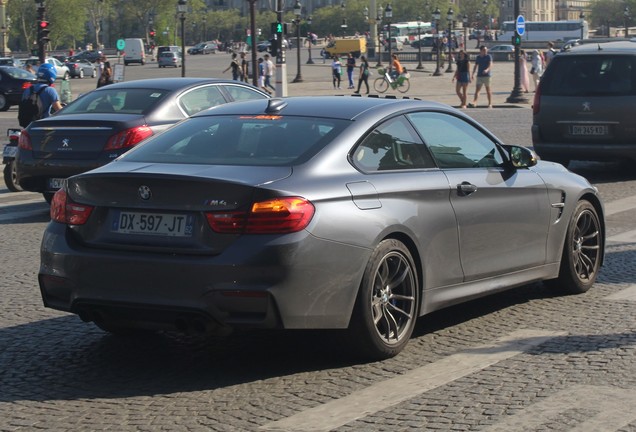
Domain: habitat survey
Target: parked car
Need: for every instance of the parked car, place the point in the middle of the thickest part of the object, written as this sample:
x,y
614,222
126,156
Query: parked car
x,y
585,105
13,82
103,124
91,55
203,48
169,59
358,214
502,48
62,70
81,68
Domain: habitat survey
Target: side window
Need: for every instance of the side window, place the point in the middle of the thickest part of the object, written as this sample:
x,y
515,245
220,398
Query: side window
x,y
393,145
201,98
454,142
239,93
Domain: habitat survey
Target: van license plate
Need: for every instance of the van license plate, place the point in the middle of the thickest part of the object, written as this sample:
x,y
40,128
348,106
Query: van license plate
x,y
589,130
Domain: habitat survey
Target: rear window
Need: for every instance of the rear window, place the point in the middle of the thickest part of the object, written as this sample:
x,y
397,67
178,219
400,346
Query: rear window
x,y
590,75
167,54
240,140
123,101
18,73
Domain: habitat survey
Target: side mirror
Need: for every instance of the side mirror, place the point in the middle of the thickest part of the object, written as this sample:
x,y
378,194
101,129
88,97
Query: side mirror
x,y
521,157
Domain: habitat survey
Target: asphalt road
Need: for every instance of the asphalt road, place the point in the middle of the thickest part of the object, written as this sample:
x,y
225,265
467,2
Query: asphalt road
x,y
525,359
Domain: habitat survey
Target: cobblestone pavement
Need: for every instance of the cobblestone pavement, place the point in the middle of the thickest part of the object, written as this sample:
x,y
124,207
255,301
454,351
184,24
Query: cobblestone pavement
x,y
525,359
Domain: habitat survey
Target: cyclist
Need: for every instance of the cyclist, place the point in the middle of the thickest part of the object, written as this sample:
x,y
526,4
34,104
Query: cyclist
x,y
396,67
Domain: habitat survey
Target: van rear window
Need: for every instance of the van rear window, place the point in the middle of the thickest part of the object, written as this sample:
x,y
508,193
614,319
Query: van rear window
x,y
590,75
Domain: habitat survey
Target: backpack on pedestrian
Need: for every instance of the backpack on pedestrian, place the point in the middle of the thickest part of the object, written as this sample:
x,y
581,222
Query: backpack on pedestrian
x,y
30,109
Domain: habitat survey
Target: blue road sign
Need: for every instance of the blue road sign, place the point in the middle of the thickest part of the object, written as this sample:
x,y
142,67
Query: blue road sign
x,y
521,25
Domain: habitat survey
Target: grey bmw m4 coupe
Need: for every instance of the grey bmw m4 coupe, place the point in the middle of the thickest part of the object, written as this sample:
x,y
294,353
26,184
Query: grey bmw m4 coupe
x,y
351,213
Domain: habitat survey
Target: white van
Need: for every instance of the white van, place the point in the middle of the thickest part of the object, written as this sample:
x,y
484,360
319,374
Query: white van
x,y
134,51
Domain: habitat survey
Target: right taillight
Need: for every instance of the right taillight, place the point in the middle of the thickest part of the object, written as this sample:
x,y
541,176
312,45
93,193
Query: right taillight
x,y
64,210
275,216
25,141
128,138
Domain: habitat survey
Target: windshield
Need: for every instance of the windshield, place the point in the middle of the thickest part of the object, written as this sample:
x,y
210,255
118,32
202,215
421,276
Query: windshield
x,y
589,75
123,101
240,140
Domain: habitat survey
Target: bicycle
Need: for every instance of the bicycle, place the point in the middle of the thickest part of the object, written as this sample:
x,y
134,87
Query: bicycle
x,y
382,84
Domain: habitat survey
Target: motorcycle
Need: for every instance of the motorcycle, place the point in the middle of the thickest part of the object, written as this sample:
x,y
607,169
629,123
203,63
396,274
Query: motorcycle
x,y
8,159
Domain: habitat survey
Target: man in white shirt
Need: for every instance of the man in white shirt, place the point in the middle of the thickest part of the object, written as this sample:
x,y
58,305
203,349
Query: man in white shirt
x,y
269,72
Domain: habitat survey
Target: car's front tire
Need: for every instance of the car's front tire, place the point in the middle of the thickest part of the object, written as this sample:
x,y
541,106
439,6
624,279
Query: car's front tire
x,y
387,305
582,251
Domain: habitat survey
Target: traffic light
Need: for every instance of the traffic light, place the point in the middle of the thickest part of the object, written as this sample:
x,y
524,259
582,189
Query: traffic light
x,y
44,32
516,40
152,33
277,28
273,47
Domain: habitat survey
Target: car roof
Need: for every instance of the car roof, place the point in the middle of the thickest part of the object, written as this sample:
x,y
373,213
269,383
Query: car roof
x,y
343,107
624,47
169,83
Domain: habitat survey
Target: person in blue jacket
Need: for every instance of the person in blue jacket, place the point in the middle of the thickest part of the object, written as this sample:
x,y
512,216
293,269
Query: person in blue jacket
x,y
49,98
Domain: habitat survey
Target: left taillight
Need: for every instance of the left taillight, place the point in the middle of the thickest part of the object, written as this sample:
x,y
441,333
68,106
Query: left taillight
x,y
24,142
275,216
128,138
64,210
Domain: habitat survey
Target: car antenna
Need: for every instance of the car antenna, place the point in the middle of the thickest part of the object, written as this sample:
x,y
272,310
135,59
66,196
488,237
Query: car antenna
x,y
275,105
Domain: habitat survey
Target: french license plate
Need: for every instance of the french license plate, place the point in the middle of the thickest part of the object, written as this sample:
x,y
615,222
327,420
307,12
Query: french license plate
x,y
9,151
588,130
55,183
161,224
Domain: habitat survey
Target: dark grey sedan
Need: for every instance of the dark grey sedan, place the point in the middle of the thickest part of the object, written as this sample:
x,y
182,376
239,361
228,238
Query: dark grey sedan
x,y
315,213
81,68
101,125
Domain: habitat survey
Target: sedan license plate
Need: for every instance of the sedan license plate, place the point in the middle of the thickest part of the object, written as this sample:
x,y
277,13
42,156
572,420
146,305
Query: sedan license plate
x,y
55,183
595,130
161,224
9,151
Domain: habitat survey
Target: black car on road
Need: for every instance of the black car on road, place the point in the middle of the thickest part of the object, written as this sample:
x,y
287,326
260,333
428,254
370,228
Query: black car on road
x,y
13,82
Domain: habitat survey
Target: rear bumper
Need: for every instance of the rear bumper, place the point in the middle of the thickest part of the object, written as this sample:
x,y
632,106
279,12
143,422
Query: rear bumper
x,y
294,281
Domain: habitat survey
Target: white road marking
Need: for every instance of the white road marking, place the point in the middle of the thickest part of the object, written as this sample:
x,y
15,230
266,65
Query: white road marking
x,y
624,237
395,390
628,294
620,205
609,408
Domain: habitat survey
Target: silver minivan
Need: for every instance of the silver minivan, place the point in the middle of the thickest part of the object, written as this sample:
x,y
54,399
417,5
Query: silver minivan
x,y
585,104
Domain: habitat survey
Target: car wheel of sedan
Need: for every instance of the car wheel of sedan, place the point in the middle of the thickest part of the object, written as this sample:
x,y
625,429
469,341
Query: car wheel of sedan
x,y
81,73
386,307
11,177
4,104
582,252
94,73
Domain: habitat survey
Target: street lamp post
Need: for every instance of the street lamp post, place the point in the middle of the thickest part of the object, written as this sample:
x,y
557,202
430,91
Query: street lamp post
x,y
582,19
205,33
182,7
388,14
626,13
449,17
465,24
419,44
436,17
517,95
478,19
309,42
379,21
297,11
344,20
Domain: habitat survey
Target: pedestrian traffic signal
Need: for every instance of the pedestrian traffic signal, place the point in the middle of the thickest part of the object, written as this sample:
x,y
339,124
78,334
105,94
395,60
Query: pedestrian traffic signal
x,y
152,33
516,40
273,47
277,28
44,31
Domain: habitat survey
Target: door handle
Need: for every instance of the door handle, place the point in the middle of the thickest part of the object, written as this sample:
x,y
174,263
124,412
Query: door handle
x,y
466,188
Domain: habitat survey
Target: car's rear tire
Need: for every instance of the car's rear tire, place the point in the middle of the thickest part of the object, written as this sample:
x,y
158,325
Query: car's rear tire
x,y
66,76
81,73
4,103
11,177
582,251
387,303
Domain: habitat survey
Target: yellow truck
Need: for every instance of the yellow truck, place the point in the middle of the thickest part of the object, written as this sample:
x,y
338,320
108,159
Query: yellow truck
x,y
343,46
